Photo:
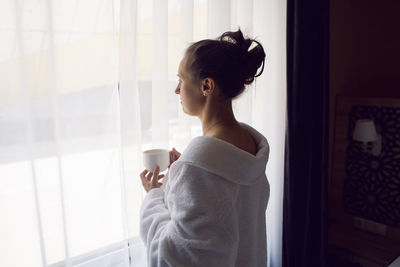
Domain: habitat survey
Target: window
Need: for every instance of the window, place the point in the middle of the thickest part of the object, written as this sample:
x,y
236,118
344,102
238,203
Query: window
x,y
63,193
85,86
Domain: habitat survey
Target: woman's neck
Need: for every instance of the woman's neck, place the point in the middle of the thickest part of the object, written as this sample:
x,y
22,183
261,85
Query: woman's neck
x,y
215,116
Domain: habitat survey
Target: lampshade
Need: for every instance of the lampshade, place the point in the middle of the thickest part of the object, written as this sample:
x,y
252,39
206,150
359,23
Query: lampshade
x,y
364,131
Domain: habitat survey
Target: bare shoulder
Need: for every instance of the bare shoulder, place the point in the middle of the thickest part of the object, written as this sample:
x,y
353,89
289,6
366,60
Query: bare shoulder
x,y
238,136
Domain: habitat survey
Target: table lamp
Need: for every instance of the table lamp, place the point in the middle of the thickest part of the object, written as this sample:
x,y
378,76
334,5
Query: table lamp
x,y
365,132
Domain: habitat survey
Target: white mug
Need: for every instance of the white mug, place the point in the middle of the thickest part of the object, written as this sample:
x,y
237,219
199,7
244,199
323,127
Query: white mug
x,y
154,157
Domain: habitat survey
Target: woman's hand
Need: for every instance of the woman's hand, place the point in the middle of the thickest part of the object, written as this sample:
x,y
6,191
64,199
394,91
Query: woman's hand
x,y
150,179
173,156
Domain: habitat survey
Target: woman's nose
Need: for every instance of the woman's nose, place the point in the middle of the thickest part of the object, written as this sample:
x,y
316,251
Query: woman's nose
x,y
177,90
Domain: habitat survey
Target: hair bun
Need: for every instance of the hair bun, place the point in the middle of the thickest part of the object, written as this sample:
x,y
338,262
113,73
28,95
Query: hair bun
x,y
251,60
231,60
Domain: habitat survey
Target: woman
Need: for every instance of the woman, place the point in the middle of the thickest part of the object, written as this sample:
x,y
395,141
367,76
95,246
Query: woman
x,y
212,211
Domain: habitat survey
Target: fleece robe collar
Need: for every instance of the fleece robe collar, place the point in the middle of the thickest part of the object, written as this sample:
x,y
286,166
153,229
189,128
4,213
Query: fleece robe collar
x,y
227,160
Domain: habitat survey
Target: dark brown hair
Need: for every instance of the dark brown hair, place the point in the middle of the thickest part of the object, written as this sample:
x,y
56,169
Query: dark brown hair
x,y
227,60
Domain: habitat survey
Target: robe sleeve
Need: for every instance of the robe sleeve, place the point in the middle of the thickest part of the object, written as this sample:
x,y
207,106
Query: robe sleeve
x,y
197,227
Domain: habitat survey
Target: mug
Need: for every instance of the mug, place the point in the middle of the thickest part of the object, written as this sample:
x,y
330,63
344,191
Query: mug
x,y
154,157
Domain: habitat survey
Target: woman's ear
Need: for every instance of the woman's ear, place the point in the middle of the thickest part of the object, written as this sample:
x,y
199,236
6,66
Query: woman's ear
x,y
207,86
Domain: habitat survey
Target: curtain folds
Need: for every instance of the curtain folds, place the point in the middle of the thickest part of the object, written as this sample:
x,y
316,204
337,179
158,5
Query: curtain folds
x,y
60,175
306,153
85,87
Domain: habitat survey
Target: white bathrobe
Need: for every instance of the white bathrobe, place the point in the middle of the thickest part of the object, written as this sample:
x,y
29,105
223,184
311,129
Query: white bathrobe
x,y
212,211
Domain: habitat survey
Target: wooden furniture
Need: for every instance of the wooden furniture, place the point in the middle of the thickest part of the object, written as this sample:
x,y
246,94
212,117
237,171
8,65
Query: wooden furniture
x,y
362,248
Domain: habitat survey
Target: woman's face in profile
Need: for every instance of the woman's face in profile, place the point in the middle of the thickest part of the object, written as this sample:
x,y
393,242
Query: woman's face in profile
x,y
192,99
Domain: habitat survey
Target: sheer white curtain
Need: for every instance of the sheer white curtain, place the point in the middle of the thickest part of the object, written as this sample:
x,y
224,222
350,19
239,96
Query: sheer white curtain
x,y
61,202
85,86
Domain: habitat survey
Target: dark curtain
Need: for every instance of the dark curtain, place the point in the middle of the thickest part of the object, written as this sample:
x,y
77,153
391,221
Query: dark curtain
x,y
306,151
